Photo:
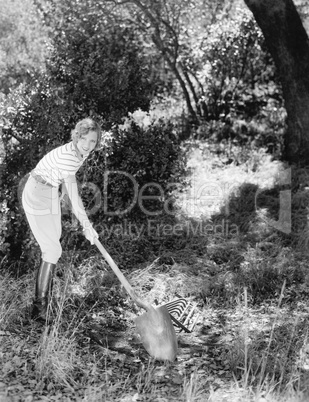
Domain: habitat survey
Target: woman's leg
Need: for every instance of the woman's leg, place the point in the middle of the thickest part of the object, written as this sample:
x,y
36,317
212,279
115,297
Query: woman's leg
x,y
43,289
42,208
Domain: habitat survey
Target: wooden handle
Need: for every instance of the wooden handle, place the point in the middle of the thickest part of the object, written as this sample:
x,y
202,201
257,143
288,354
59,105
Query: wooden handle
x,y
120,276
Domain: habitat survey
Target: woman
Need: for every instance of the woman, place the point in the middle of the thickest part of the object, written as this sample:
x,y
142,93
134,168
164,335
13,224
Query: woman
x,y
41,203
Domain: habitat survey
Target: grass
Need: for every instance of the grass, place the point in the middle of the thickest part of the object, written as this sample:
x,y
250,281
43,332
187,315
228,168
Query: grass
x,y
251,286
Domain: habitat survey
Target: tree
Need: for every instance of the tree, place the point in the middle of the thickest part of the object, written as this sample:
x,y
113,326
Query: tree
x,y
288,44
173,26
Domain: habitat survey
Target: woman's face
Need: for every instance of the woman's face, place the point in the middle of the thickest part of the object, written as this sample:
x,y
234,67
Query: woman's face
x,y
87,143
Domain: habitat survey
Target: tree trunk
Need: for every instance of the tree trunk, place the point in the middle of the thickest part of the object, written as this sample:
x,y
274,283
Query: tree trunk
x,y
288,44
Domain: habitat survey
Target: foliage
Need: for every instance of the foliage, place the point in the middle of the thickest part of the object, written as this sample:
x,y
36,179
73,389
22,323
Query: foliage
x,y
23,40
236,70
220,64
106,76
98,54
219,61
170,29
157,162
242,99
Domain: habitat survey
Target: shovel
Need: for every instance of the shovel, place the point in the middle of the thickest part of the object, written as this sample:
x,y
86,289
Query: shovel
x,y
155,325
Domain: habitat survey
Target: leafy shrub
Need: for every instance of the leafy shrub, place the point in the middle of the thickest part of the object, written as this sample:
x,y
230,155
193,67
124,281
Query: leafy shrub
x,y
97,62
152,156
242,97
238,74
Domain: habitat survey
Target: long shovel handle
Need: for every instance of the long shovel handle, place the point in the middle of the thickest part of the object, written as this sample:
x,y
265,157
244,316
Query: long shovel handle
x,y
120,275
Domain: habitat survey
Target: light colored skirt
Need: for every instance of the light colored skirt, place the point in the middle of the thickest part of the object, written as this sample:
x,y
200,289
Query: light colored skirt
x,y
42,207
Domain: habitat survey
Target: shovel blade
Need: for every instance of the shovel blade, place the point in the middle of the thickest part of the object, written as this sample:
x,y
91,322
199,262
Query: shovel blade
x,y
157,333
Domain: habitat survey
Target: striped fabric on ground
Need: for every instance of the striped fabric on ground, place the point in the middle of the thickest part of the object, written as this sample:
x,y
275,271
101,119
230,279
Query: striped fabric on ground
x,y
183,314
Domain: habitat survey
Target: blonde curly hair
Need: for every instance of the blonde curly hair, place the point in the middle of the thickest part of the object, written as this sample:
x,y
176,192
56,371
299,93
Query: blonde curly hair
x,y
83,127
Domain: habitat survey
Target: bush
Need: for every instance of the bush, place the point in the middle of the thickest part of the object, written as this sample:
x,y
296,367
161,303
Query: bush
x,y
242,100
151,156
239,75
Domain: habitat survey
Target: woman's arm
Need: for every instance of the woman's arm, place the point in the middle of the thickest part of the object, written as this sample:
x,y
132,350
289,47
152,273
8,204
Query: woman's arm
x,y
71,189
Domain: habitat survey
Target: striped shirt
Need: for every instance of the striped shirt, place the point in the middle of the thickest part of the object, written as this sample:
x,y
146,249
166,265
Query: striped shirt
x,y
59,164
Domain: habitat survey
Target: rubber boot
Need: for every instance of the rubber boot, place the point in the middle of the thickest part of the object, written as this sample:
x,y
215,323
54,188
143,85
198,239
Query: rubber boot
x,y
43,290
